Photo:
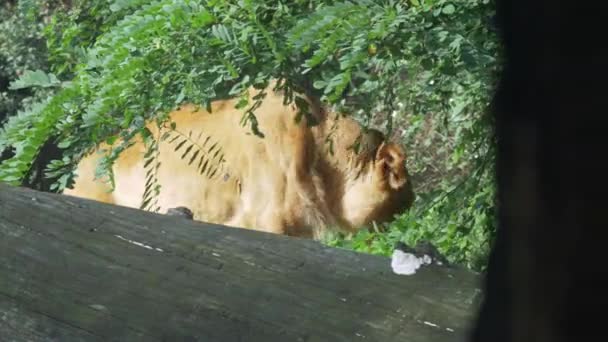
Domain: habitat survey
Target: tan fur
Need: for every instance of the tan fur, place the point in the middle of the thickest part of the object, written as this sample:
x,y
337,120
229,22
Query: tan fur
x,y
287,182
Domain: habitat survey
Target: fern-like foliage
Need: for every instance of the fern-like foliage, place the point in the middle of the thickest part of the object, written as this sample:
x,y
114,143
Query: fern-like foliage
x,y
165,52
202,151
151,165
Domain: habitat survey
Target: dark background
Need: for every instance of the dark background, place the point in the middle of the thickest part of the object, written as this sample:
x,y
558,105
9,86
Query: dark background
x,y
543,281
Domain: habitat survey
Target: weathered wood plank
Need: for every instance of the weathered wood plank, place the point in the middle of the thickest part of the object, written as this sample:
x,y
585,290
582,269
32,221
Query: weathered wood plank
x,y
72,269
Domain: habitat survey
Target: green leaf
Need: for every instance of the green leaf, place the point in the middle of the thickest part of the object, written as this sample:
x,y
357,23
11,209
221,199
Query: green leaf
x,y
205,18
64,144
448,9
457,109
319,84
180,97
243,102
36,78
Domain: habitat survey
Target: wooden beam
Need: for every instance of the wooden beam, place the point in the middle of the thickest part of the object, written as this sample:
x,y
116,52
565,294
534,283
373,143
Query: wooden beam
x,y
73,269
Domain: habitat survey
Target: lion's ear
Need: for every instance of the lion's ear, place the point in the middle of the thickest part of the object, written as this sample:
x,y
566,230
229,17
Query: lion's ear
x,y
390,161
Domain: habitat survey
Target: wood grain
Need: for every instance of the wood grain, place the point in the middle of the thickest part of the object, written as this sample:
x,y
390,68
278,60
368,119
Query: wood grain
x,y
77,270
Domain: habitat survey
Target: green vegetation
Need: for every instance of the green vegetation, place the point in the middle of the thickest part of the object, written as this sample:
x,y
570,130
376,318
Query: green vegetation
x,y
22,47
420,70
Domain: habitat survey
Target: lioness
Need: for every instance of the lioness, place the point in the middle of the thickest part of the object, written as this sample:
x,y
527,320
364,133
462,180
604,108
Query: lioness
x,y
297,180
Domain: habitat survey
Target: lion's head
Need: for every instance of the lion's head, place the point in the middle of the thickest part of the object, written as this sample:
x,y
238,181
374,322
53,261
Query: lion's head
x,y
366,174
